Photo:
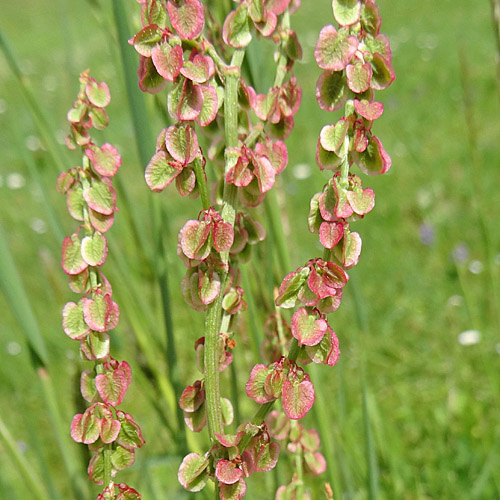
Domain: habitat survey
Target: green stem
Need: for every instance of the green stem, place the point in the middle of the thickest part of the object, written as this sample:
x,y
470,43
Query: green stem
x,y
212,388
107,464
299,469
344,169
201,180
214,315
282,68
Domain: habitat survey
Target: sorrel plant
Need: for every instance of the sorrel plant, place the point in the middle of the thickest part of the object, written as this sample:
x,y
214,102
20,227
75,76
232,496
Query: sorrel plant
x,y
197,53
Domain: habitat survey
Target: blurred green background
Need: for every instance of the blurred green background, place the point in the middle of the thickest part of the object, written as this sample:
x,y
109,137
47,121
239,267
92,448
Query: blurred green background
x,y
426,353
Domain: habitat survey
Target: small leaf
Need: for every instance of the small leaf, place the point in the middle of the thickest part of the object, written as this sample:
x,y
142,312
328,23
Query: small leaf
x,y
307,328
267,457
332,136
293,47
101,222
96,345
327,160
198,69
223,236
167,60
95,249
315,462
374,160
121,458
106,160
274,383
72,261
314,219
194,239
193,472
359,77
87,386
240,174
74,325
256,10
146,39
326,278
161,171
227,411
369,110
334,49
75,202
227,472
327,351
309,440
255,387
327,201
266,104
96,468
298,398
185,182
361,202
109,429
187,17
130,433
182,143
76,114
210,105
236,29
192,397
209,286
342,208
234,491
100,197
85,428
379,44
185,101
99,118
383,73
64,182
290,288
346,12
370,18
276,152
78,282
331,92
330,233
98,93
277,6
351,249
101,314
267,27
149,79
153,12
196,420
112,386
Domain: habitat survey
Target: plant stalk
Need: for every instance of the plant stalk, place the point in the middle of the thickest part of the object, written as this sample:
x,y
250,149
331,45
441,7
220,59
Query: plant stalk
x,y
214,310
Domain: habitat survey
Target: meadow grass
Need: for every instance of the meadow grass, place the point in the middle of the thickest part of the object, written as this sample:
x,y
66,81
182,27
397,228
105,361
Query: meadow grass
x,y
431,403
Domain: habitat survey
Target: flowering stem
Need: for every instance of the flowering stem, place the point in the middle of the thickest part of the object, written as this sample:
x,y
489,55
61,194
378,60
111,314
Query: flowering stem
x,y
299,468
281,68
214,316
201,180
107,464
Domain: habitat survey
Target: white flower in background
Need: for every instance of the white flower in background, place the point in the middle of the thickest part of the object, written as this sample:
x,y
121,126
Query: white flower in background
x,y
469,337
